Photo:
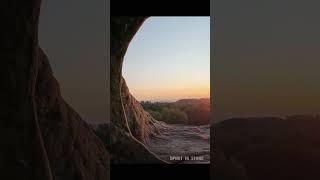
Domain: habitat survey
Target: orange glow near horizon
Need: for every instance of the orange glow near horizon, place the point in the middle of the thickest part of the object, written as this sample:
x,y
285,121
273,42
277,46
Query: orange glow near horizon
x,y
171,93
169,59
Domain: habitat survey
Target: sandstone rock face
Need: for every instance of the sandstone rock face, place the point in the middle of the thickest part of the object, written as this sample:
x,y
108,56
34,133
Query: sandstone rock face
x,y
74,151
22,152
122,31
141,124
131,126
42,137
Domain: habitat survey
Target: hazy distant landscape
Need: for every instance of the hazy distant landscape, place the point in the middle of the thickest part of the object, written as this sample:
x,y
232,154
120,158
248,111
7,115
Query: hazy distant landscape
x,y
183,111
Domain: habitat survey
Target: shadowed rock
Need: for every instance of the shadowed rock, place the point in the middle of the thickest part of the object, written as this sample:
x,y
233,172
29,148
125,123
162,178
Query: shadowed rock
x,y
73,149
42,137
130,126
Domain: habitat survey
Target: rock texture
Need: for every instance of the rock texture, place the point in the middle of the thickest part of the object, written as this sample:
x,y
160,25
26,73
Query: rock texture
x,y
183,140
130,126
134,132
141,124
74,151
42,137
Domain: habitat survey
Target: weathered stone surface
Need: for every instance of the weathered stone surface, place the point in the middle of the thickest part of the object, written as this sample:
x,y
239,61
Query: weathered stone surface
x,y
142,125
22,154
73,149
122,31
42,137
130,126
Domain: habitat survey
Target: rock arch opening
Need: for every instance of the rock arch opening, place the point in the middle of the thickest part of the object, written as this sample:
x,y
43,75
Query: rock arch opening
x,y
168,59
127,113
125,146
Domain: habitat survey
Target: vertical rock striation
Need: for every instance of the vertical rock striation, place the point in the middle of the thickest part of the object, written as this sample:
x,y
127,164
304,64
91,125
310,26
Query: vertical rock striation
x,y
42,137
131,126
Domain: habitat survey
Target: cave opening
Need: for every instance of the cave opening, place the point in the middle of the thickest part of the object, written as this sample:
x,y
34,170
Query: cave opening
x,y
166,72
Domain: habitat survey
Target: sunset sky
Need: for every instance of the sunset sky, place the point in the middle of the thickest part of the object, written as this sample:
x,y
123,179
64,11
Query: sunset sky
x,y
169,59
267,58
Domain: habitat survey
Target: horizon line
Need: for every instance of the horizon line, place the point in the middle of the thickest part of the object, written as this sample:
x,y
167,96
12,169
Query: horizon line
x,y
173,99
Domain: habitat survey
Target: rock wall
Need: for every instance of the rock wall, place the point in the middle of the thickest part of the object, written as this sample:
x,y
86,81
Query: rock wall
x,y
42,137
74,151
131,126
141,124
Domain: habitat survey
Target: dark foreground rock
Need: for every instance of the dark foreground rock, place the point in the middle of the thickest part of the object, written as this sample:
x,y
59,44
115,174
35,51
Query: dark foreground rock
x,y
42,137
74,151
267,148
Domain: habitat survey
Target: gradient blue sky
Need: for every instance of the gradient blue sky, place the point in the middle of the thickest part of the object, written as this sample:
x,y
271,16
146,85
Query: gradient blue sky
x,y
169,58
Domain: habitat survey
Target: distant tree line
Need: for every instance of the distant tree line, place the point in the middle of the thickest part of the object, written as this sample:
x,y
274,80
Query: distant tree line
x,y
195,112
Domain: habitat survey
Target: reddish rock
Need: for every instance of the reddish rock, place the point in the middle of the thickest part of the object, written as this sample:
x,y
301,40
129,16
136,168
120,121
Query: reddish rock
x,y
42,137
130,126
74,151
